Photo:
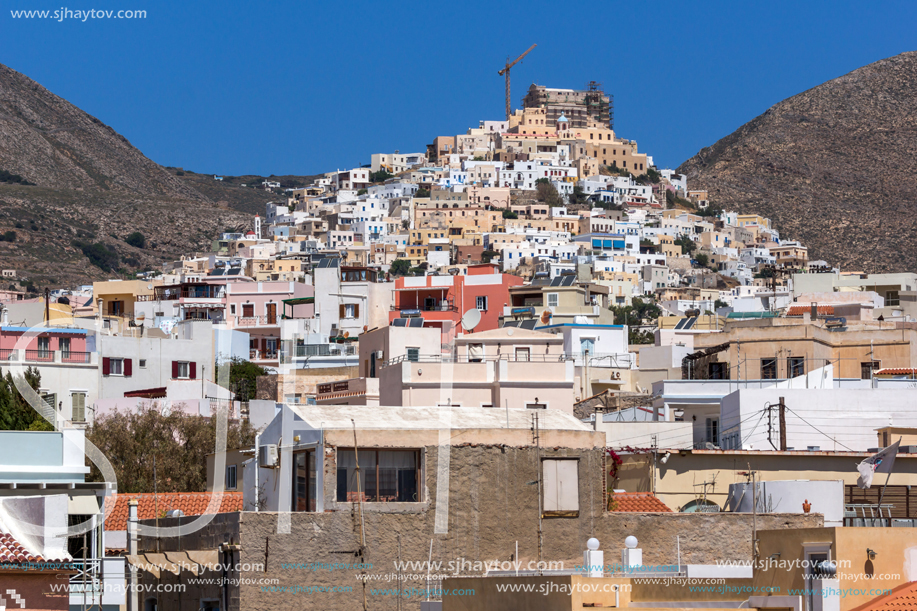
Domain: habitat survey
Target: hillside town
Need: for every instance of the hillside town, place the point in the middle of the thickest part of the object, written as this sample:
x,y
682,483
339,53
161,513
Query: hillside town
x,y
522,363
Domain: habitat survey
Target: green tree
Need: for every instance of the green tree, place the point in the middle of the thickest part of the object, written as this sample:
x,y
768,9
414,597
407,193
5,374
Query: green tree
x,y
16,414
177,441
487,255
400,267
243,376
547,193
702,259
639,311
509,214
578,196
380,176
8,236
102,256
719,303
637,336
362,192
421,192
687,244
136,239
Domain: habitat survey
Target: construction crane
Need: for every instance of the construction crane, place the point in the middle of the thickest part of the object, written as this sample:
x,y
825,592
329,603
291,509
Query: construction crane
x,y
505,71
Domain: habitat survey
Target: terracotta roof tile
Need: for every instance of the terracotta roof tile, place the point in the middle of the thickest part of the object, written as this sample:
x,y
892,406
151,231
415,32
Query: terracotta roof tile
x,y
799,310
191,504
902,598
639,502
895,371
14,552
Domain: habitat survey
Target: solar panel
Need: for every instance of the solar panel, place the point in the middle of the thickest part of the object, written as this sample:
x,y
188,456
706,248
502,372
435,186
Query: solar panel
x,y
568,280
681,323
400,322
528,324
217,272
689,323
510,323
415,322
233,272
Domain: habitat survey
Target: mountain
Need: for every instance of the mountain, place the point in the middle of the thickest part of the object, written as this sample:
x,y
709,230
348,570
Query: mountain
x,y
834,167
72,189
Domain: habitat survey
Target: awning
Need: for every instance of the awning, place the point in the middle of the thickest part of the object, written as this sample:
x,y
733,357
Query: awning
x,y
193,561
147,393
299,301
83,505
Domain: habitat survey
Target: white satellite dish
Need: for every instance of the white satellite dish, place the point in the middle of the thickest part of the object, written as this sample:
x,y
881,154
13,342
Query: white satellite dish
x,y
471,319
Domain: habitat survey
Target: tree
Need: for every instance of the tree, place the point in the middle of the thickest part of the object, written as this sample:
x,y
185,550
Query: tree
x,y
578,196
637,336
687,244
719,303
177,441
702,259
16,414
136,239
102,256
362,192
422,192
487,255
243,378
400,267
637,312
509,214
380,176
8,236
547,193
765,272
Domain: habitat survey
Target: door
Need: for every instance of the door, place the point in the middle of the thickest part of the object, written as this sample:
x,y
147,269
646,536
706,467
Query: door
x,y
272,313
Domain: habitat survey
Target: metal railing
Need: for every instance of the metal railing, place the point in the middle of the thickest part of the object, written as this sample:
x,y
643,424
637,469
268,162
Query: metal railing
x,y
308,350
75,357
446,358
7,354
44,356
256,321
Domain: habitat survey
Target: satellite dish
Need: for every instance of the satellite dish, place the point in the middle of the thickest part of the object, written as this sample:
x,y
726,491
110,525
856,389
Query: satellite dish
x,y
546,317
140,317
471,319
149,287
346,334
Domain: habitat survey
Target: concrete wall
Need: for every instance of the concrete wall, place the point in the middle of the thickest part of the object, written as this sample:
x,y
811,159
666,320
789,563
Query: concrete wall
x,y
492,507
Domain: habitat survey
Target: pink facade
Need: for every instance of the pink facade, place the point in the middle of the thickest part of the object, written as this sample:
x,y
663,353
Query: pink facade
x,y
48,345
443,300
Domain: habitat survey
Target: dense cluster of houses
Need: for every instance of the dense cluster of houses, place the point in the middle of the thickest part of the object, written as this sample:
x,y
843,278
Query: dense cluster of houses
x,y
521,339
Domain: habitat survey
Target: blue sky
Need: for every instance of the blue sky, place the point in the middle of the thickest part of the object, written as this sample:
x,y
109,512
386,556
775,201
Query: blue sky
x,y
294,87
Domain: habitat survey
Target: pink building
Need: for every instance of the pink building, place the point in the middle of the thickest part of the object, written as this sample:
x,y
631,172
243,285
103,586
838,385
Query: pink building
x,y
243,304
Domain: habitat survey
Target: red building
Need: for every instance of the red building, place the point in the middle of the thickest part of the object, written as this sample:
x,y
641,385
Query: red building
x,y
441,301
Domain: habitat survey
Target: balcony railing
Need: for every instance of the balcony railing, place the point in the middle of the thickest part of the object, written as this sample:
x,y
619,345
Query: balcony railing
x,y
445,358
444,306
308,350
262,355
39,355
75,357
256,321
6,354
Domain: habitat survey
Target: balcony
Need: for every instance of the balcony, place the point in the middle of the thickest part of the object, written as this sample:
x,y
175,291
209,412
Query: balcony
x,y
257,321
40,356
75,357
262,355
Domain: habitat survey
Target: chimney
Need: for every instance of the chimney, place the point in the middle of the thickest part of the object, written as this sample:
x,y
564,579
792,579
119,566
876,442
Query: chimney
x,y
813,312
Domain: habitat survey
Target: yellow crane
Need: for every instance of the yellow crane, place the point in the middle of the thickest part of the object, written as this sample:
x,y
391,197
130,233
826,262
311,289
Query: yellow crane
x,y
505,71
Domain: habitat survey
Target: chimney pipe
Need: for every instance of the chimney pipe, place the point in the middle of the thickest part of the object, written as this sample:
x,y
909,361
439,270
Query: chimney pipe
x,y
133,599
814,311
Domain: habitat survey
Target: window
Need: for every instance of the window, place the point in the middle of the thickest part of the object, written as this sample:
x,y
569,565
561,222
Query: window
x,y
796,366
475,353
181,370
587,344
523,354
44,347
142,363
386,476
560,480
718,371
768,369
248,310
867,369
713,431
64,344
78,407
553,300
536,405
116,367
231,477
413,354
481,303
892,298
232,308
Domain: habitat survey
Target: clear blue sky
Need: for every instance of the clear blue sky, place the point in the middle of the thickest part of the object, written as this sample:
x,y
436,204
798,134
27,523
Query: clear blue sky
x,y
301,87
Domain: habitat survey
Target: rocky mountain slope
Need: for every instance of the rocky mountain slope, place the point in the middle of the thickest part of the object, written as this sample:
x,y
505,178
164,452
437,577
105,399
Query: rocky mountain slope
x,y
835,167
68,182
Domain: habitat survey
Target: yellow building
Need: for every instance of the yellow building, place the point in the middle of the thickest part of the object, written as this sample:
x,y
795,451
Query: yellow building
x,y
118,297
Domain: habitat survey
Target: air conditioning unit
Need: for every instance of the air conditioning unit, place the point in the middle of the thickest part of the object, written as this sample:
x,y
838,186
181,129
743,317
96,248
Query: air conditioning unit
x,y
267,456
379,354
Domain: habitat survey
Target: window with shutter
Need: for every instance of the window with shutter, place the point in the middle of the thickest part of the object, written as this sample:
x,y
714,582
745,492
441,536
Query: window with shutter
x,y
561,488
78,407
174,369
192,371
106,366
128,367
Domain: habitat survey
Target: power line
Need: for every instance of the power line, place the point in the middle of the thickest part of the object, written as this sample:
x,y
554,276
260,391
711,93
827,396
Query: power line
x,y
820,431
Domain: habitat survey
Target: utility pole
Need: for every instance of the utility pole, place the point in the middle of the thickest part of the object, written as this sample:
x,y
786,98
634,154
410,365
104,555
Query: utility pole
x,y
782,419
754,515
